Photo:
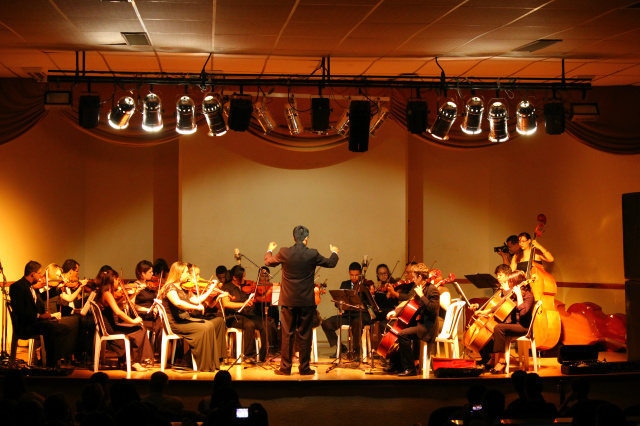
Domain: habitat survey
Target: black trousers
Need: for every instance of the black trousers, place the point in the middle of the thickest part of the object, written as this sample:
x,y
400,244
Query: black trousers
x,y
409,346
351,318
296,321
500,333
56,338
249,325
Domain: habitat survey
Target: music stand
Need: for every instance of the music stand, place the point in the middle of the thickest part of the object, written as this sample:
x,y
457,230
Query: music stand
x,y
345,300
484,281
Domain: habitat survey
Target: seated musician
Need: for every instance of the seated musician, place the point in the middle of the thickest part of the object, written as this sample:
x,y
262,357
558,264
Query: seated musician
x,y
31,318
521,259
435,278
53,274
264,292
72,289
427,297
222,274
405,284
206,337
385,294
160,270
517,323
110,298
145,291
247,320
349,317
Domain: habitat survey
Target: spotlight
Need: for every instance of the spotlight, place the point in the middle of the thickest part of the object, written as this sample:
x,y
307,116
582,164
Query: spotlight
x,y
446,116
498,115
186,116
526,118
343,124
359,119
240,110
473,119
377,121
264,117
320,112
212,110
292,117
417,116
554,117
119,116
152,113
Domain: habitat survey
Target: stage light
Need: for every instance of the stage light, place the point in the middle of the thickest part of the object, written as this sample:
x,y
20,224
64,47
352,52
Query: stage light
x,y
212,110
262,114
292,117
446,116
240,110
416,115
343,124
554,117
526,118
472,123
186,116
119,116
377,120
152,113
498,116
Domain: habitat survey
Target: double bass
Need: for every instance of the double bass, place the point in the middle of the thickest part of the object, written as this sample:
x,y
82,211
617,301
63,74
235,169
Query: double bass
x,y
546,327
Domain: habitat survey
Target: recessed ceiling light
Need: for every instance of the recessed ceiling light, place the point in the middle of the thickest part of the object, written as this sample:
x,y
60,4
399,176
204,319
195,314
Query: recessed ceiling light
x,y
136,39
536,45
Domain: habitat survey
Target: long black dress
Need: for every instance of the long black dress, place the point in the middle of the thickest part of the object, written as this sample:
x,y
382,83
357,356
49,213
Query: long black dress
x,y
140,347
206,338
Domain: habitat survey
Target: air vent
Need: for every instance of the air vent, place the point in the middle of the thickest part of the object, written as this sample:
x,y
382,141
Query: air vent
x,y
136,39
536,45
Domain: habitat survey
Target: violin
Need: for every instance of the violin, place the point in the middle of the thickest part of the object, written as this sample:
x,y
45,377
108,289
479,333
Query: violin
x,y
190,284
322,287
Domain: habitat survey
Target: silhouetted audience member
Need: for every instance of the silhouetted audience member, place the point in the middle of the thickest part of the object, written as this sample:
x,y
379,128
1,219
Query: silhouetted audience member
x,y
92,401
471,410
57,410
222,379
122,392
519,404
258,415
14,387
608,414
167,406
536,407
492,408
29,412
102,379
224,402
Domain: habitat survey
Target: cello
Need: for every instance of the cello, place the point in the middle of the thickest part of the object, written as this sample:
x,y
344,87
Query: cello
x,y
546,327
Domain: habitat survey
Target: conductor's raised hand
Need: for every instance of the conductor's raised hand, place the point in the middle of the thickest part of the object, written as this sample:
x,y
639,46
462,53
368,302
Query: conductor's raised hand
x,y
272,246
334,248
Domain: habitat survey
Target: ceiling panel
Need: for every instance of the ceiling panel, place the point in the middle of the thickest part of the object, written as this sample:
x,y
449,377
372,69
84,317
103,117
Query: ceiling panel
x,y
285,65
393,14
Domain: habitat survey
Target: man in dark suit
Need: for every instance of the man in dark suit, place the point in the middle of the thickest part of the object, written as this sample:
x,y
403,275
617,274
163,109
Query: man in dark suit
x,y
426,328
30,316
349,317
297,299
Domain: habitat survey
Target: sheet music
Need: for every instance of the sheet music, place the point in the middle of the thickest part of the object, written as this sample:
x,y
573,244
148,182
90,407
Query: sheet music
x,y
247,301
87,304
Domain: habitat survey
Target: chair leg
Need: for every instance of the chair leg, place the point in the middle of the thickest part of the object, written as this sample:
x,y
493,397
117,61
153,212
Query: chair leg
x,y
96,352
43,352
456,349
534,353
163,352
314,346
127,349
30,352
507,355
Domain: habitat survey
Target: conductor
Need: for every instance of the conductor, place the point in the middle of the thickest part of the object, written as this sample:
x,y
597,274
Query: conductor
x,y
297,300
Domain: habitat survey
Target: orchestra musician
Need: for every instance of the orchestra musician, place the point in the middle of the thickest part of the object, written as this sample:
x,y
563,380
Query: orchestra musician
x,y
427,298
72,289
145,290
160,270
206,337
521,259
247,319
405,284
31,318
297,305
222,274
385,294
264,291
350,317
110,298
517,323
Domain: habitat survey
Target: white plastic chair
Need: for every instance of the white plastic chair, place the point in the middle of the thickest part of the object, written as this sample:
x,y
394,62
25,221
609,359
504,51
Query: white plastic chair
x,y
167,336
365,341
528,339
102,336
449,333
238,333
31,356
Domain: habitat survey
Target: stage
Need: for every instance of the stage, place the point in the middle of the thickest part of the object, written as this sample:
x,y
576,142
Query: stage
x,y
352,394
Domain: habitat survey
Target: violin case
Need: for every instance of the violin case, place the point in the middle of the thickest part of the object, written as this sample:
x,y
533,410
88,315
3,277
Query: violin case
x,y
455,367
581,359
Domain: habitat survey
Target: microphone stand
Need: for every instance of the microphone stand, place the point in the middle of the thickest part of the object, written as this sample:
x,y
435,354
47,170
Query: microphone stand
x,y
4,356
266,363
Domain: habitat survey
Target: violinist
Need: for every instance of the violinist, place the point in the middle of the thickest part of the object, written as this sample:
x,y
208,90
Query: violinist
x,y
146,291
109,298
53,275
160,270
427,298
222,274
350,317
264,292
405,284
72,287
435,278
521,259
247,319
517,323
386,296
206,337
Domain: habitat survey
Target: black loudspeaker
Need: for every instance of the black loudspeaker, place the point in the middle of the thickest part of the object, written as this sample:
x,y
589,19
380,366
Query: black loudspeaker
x,y
554,118
89,111
359,119
577,353
631,235
320,112
240,110
417,116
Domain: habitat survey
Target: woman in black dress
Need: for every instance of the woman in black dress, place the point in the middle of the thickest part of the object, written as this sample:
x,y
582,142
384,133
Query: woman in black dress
x,y
116,321
521,259
206,337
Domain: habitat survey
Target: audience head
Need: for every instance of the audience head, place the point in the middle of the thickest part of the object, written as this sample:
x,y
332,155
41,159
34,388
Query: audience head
x,y
158,382
122,392
92,398
533,386
517,379
222,379
608,414
474,394
492,405
57,409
